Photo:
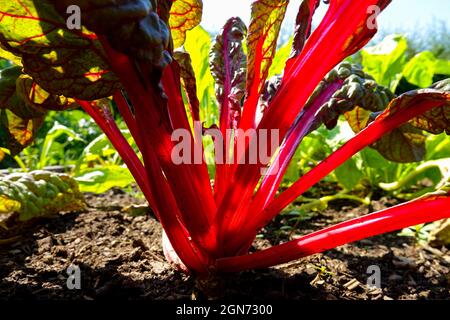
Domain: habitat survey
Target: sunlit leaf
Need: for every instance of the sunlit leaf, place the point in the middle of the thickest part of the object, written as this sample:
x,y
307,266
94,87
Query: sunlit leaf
x,y
19,122
436,120
198,45
4,54
405,144
267,16
184,16
280,58
99,180
39,193
34,95
62,61
386,60
420,69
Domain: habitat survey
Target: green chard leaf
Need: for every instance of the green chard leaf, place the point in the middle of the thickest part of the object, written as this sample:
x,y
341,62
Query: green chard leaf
x,y
198,45
420,69
102,179
184,15
280,58
386,60
404,144
442,67
62,61
39,193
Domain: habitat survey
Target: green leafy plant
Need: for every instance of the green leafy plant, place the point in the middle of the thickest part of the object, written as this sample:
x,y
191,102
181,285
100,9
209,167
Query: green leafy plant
x,y
387,62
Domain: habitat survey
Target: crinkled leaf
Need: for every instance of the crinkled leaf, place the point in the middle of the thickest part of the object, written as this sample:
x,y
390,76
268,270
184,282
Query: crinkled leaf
x,y
406,143
8,78
164,9
228,67
25,105
303,25
39,193
188,81
270,89
131,26
436,120
266,19
62,61
403,145
103,15
344,88
184,16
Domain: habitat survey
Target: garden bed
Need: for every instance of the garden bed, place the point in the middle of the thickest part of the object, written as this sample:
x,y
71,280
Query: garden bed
x,y
120,256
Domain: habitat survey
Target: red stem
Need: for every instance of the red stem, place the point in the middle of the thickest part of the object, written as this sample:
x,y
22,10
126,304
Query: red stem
x,y
382,125
120,143
222,170
301,128
165,208
395,218
344,27
128,116
155,128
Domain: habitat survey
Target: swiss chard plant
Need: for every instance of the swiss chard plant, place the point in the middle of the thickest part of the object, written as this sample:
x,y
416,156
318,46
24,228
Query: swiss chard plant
x,y
132,51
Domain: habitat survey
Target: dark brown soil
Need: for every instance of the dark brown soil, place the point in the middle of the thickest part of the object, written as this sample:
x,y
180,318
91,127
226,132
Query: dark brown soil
x,y
120,256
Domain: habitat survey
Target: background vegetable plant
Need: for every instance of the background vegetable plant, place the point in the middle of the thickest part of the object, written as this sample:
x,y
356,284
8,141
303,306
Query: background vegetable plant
x,y
127,51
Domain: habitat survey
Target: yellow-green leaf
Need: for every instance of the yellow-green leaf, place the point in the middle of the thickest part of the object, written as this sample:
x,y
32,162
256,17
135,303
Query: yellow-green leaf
x,y
62,61
39,193
184,15
267,16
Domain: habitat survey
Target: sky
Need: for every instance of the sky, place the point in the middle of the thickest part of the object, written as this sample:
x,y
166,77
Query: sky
x,y
401,15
